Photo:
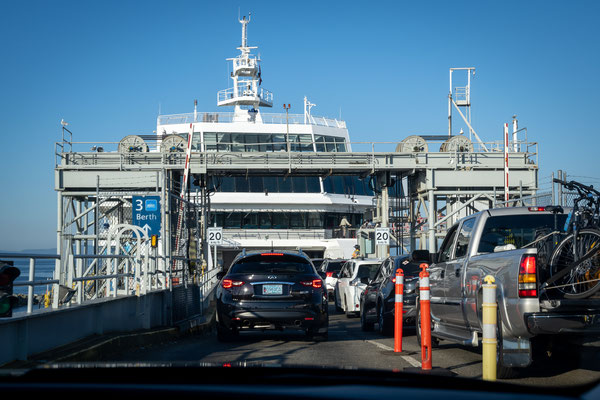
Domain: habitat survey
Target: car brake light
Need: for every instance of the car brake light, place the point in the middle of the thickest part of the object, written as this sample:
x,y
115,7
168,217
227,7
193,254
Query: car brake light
x,y
536,208
271,254
228,283
316,283
329,274
528,277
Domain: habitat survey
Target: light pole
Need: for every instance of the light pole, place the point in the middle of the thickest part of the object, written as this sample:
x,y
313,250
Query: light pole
x,y
287,127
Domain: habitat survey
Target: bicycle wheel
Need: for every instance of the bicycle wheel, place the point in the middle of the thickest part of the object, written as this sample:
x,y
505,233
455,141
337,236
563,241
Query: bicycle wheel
x,y
584,279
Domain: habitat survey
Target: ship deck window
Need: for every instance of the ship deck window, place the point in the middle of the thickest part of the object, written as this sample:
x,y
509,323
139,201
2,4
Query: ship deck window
x,y
313,185
347,185
299,184
285,185
330,143
242,185
244,142
280,220
284,220
255,183
270,184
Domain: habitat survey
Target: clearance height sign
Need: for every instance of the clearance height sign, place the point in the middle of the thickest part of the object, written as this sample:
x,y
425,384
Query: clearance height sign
x,y
146,213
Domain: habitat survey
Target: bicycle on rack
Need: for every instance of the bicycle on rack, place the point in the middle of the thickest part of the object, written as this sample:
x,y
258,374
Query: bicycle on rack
x,y
574,264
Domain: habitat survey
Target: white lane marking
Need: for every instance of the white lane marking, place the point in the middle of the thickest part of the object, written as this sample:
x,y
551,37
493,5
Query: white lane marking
x,y
408,359
381,346
412,361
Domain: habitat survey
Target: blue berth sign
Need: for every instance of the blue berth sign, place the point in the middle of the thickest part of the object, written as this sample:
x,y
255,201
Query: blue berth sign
x,y
146,213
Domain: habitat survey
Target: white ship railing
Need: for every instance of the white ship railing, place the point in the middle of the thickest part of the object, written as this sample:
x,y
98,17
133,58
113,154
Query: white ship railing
x,y
244,90
268,118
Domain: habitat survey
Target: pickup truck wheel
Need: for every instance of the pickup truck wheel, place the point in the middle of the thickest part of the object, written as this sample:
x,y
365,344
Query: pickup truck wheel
x,y
434,341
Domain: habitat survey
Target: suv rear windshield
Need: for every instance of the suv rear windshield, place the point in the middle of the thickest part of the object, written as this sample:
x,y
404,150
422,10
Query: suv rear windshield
x,y
517,230
334,266
367,270
265,264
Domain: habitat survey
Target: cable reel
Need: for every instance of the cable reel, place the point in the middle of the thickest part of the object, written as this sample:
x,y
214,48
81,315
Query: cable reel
x,y
457,144
173,144
412,144
133,144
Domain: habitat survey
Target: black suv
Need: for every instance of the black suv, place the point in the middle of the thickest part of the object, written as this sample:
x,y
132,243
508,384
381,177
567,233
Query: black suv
x,y
377,300
271,290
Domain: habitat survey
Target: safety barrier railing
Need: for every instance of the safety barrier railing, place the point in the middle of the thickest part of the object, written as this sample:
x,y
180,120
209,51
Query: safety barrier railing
x,y
538,200
31,283
72,287
243,90
266,118
104,149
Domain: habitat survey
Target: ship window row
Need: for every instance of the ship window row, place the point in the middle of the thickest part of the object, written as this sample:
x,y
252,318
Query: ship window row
x,y
347,185
244,142
267,184
284,220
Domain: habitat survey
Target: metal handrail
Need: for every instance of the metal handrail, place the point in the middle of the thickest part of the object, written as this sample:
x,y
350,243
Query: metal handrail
x,y
531,148
31,283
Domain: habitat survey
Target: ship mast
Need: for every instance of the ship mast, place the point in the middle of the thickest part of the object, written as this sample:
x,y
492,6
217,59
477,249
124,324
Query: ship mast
x,y
246,95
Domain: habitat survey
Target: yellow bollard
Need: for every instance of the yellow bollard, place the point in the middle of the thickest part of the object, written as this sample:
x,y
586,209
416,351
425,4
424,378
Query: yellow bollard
x,y
47,300
489,340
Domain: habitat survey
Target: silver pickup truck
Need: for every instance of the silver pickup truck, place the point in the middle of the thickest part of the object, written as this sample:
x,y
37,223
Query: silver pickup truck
x,y
492,242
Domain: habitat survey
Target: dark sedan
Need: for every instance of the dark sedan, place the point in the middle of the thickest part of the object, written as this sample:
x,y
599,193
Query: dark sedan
x,y
377,300
272,290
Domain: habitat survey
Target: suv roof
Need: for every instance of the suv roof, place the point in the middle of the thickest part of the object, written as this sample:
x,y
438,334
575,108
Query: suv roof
x,y
244,254
366,260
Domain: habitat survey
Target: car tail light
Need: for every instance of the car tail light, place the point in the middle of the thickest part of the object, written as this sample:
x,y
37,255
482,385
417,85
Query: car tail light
x,y
329,274
316,283
229,283
536,208
271,254
528,277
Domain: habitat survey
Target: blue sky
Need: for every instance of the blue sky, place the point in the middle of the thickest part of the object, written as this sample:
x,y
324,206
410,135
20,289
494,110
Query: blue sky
x,y
107,67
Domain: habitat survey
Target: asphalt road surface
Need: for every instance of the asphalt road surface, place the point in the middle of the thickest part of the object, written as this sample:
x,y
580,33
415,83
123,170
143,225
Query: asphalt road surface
x,y
348,346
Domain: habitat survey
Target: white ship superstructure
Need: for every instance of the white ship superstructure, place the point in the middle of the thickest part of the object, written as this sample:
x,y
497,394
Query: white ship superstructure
x,y
279,212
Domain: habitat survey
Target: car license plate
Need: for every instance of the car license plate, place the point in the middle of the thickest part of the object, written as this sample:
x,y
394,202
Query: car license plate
x,y
272,289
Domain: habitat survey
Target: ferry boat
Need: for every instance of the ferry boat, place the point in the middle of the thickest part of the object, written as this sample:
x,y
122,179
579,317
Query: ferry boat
x,y
258,212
